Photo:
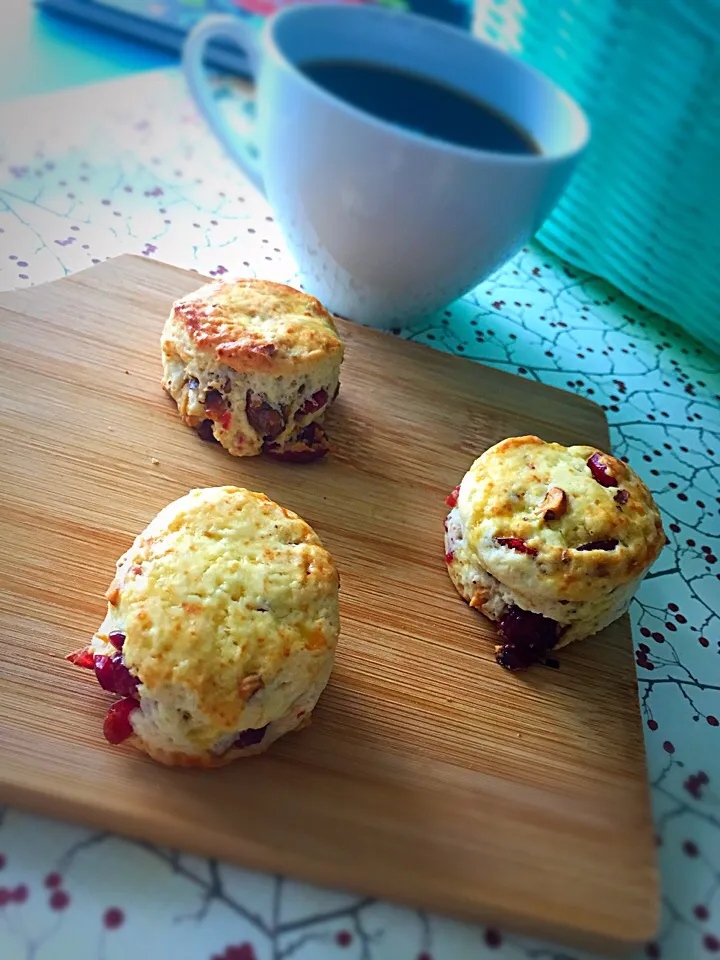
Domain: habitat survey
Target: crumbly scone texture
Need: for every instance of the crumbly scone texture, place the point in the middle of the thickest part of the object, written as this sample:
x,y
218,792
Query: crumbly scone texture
x,y
229,607
259,361
483,592
298,716
534,528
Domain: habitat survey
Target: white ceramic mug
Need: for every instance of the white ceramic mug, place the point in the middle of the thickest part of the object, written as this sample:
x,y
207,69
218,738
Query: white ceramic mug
x,y
385,224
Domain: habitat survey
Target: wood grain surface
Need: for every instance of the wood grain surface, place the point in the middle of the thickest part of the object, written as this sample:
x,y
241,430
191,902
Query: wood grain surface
x,y
430,775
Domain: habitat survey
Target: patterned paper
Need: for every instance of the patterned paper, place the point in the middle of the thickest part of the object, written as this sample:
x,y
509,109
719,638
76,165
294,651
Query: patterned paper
x,y
128,167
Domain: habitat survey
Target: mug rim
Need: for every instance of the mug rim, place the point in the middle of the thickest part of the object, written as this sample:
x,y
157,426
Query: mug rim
x,y
303,10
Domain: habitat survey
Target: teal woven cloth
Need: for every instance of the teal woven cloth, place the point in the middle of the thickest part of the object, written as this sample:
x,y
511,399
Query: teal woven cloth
x,y
643,210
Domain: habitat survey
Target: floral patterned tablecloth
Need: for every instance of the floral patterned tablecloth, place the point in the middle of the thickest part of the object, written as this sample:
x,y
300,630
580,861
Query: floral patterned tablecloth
x,y
128,167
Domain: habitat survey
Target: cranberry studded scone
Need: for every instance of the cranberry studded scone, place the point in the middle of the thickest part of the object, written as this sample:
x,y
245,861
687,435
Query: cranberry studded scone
x,y
254,365
220,631
549,541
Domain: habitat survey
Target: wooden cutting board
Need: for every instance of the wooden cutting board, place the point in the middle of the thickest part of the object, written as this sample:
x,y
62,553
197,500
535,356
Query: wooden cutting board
x,y
430,775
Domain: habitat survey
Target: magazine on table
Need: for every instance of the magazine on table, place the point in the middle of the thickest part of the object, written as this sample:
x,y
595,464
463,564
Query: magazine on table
x,y
165,23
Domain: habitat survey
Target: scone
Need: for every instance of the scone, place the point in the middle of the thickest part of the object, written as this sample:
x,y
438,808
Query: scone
x,y
254,365
550,541
220,632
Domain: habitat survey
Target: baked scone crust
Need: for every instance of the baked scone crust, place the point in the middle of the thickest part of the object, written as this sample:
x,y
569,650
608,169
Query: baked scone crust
x,y
501,497
298,717
532,526
228,604
258,326
254,365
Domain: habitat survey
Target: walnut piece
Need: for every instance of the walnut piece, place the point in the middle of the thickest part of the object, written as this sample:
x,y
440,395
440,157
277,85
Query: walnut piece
x,y
479,598
554,505
112,595
250,685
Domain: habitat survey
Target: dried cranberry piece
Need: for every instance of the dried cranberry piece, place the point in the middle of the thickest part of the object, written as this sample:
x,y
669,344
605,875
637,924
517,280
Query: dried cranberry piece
x,y
114,676
600,545
82,658
248,738
117,639
217,409
298,456
600,471
622,496
205,431
449,556
518,626
117,726
215,400
526,638
516,543
314,403
263,418
308,444
452,498
514,657
312,433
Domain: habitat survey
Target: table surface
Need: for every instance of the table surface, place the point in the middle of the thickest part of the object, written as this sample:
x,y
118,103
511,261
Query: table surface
x,y
42,52
129,167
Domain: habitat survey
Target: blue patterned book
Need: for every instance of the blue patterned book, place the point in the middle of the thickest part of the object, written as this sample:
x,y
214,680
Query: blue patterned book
x,y
165,22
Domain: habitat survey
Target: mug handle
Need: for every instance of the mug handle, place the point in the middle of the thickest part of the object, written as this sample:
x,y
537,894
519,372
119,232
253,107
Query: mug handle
x,y
193,61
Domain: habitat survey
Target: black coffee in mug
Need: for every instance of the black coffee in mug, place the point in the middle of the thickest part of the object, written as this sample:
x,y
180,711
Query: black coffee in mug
x,y
419,103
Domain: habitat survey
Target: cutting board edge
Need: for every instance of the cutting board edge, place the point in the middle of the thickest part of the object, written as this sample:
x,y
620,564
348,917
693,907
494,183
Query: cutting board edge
x,y
84,813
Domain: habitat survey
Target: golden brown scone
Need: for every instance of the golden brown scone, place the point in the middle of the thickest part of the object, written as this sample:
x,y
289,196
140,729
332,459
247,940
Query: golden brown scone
x,y
550,541
220,632
254,365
